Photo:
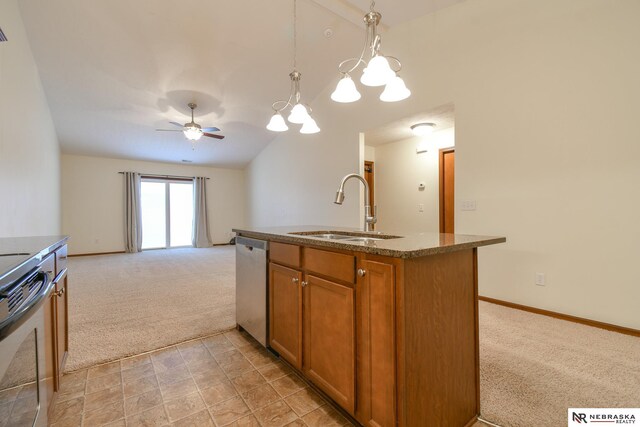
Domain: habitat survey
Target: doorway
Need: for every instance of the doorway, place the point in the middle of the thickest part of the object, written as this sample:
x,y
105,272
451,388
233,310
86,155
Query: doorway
x,y
447,192
167,213
369,177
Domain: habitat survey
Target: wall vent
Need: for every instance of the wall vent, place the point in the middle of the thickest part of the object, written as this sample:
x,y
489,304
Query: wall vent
x,y
3,38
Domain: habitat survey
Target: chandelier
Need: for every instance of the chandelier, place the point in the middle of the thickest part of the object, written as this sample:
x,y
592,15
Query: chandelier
x,y
300,113
380,70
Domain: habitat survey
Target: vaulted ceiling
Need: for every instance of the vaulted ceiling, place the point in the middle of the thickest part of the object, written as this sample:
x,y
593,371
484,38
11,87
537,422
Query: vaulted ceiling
x,y
116,70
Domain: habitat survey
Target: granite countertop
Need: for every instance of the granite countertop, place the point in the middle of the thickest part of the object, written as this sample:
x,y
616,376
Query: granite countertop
x,y
405,246
18,255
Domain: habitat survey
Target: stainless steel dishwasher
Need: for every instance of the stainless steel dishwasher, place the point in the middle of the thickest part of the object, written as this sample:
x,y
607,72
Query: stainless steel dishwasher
x,y
251,287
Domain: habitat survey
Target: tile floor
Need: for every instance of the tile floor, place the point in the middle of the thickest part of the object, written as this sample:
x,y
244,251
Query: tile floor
x,y
223,380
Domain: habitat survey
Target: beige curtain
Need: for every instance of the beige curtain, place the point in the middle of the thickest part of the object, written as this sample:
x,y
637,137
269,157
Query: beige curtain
x,y
201,237
132,213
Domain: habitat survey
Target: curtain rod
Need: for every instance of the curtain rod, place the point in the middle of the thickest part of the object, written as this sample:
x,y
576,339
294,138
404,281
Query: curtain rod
x,y
166,176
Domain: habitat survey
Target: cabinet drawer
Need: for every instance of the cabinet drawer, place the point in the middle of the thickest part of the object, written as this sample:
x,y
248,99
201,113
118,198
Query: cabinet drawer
x,y
61,259
283,253
330,264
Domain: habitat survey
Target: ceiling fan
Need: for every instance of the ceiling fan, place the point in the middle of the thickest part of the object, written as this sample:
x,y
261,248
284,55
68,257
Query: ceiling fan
x,y
193,131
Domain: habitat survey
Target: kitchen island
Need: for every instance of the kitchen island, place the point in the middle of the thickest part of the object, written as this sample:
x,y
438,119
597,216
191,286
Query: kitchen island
x,y
385,325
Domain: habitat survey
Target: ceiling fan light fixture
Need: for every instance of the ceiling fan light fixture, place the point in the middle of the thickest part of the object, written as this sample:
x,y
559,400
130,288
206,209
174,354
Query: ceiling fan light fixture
x,y
193,133
346,91
277,123
310,126
421,129
395,91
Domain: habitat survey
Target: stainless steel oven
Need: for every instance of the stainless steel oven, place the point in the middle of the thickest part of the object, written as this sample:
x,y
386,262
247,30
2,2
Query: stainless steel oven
x,y
22,323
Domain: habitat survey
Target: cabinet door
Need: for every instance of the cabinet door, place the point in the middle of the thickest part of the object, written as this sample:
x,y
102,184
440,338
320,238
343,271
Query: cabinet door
x,y
62,322
376,345
285,311
329,337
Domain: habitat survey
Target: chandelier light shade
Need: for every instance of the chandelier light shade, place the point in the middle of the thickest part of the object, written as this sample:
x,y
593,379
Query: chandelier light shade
x,y
309,126
346,91
377,73
277,123
379,70
300,113
395,90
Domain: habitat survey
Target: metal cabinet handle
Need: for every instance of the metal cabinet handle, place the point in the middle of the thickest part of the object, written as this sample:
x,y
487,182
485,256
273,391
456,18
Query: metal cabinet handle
x,y
362,272
294,280
304,284
60,292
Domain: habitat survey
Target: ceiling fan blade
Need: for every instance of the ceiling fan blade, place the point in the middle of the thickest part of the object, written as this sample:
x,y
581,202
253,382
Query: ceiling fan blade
x,y
210,135
168,130
177,124
211,129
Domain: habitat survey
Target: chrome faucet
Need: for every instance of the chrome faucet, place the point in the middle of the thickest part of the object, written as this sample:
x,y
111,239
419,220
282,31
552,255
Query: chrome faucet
x,y
368,219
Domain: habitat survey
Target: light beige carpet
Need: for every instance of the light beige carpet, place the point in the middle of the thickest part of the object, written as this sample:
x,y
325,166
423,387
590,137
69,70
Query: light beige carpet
x,y
126,304
532,368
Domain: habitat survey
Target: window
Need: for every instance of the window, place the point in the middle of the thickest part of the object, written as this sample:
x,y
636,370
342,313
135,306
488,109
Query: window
x,y
167,213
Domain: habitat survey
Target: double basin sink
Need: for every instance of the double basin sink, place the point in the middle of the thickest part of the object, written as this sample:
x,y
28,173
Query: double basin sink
x,y
347,237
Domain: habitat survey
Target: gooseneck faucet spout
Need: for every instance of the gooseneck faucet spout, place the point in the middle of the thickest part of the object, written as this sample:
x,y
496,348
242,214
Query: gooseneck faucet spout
x,y
369,220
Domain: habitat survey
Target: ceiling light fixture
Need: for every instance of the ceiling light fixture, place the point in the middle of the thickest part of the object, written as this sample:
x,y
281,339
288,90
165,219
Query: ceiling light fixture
x,y
192,131
300,113
380,70
421,129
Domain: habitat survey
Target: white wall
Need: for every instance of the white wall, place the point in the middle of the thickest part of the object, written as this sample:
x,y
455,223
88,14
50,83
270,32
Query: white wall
x,y
93,200
369,153
294,179
546,98
29,150
398,172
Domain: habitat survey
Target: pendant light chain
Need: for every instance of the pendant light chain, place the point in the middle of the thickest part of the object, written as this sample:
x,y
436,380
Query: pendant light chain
x,y
295,36
373,5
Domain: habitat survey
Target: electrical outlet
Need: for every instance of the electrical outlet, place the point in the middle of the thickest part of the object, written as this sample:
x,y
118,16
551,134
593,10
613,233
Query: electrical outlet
x,y
420,207
540,279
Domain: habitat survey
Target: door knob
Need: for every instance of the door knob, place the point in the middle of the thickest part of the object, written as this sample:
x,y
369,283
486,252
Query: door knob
x,y
294,280
362,272
304,284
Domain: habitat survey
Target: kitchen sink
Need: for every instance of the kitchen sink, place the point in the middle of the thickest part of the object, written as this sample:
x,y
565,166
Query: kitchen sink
x,y
347,236
363,239
331,236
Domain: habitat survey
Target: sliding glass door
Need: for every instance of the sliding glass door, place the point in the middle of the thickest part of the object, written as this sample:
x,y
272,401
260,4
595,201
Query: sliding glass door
x,y
167,213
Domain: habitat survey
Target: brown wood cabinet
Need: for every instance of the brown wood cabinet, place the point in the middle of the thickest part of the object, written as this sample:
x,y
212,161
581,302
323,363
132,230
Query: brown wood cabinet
x,y
392,341
329,339
377,344
285,308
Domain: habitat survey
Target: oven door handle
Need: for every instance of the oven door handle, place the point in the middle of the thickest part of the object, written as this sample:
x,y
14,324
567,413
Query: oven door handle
x,y
25,312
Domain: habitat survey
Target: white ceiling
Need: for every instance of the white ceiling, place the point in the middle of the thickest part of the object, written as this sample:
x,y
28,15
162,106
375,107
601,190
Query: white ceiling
x,y
115,70
442,117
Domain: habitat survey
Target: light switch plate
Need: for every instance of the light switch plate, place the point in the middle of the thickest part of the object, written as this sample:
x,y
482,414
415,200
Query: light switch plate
x,y
467,205
540,279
